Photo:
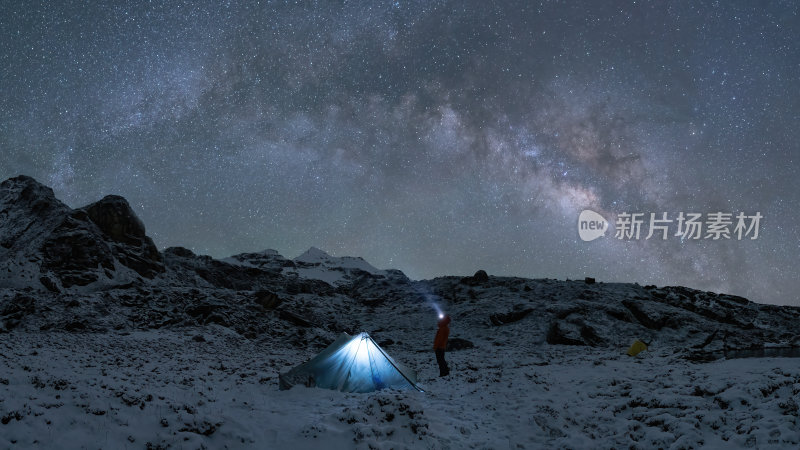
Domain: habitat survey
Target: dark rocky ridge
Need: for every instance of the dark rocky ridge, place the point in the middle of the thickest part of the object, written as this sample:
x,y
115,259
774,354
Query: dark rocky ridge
x,y
48,245
95,269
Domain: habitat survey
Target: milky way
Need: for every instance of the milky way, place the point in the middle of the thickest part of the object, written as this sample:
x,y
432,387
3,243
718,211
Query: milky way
x,y
433,137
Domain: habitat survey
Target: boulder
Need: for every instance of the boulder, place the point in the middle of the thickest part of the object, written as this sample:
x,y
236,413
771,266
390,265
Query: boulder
x,y
268,300
17,307
480,277
294,318
202,311
560,335
510,317
572,333
649,318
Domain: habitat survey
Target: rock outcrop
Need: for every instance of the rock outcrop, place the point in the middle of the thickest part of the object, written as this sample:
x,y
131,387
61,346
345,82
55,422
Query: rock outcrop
x,y
46,244
126,235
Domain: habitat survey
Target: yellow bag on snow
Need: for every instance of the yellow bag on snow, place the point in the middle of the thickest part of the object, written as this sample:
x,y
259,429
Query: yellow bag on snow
x,y
636,348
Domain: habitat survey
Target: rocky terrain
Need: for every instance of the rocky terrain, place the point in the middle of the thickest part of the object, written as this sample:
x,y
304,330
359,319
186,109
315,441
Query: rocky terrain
x,y
98,327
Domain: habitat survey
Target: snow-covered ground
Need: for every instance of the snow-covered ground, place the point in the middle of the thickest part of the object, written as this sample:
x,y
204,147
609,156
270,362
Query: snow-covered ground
x,y
160,389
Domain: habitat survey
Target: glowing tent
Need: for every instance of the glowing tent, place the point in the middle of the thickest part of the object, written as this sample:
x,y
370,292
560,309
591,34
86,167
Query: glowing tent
x,y
351,364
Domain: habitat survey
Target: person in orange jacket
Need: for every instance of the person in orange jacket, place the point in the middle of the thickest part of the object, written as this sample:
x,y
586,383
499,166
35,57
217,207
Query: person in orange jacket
x,y
440,344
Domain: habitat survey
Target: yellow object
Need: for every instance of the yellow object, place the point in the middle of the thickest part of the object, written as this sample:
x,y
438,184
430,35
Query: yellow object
x,y
636,348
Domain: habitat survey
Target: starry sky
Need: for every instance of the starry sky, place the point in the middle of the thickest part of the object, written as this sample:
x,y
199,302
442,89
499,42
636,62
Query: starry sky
x,y
436,137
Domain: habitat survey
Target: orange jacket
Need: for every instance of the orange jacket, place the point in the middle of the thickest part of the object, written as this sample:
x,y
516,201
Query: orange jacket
x,y
440,342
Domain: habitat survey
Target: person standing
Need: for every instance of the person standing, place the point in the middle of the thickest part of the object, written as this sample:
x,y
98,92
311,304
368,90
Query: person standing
x,y
440,344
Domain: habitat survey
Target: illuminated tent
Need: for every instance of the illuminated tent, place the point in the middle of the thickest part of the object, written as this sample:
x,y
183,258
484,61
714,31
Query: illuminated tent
x,y
351,364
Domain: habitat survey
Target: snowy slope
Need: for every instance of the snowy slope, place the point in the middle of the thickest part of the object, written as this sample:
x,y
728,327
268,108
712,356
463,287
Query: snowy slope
x,y
315,256
316,264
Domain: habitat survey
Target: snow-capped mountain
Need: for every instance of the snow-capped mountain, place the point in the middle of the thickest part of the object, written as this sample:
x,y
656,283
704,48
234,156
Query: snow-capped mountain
x,y
313,264
316,264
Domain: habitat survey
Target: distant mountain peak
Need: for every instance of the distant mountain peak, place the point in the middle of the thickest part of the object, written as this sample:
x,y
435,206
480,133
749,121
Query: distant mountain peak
x,y
313,255
317,264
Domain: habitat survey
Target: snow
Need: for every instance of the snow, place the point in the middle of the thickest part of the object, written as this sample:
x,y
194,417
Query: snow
x,y
317,265
166,389
317,256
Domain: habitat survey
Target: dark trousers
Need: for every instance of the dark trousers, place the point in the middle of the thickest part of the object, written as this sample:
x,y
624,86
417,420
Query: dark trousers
x,y
443,369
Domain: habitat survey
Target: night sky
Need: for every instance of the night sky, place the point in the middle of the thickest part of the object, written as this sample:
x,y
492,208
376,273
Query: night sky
x,y
434,137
